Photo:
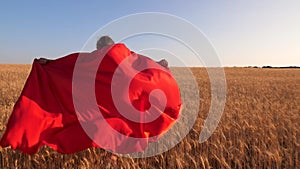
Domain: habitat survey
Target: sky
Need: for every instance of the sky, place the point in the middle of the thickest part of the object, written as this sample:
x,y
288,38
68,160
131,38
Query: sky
x,y
243,33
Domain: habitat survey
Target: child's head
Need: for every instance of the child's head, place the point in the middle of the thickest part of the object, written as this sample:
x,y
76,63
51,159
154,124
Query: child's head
x,y
104,41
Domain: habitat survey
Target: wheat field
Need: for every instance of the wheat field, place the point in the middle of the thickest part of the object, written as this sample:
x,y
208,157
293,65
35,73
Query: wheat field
x,y
259,128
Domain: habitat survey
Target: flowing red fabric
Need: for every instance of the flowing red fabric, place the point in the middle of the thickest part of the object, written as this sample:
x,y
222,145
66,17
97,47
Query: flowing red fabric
x,y
45,115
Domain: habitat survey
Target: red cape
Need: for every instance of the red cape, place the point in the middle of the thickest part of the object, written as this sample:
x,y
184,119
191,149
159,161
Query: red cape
x,y
45,113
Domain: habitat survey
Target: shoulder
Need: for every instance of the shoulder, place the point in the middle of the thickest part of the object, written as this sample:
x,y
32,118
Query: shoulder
x,y
119,49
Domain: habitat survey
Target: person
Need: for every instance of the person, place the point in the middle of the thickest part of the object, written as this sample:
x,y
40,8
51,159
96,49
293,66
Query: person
x,y
106,41
86,108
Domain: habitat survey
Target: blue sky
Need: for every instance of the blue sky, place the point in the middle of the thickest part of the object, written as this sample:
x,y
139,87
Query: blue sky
x,y
242,32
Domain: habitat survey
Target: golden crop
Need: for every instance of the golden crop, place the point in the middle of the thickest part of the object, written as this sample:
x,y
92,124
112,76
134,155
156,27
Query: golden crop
x,y
260,126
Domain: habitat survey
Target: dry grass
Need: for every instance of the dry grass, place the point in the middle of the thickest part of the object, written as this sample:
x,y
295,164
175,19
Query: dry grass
x,y
260,127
